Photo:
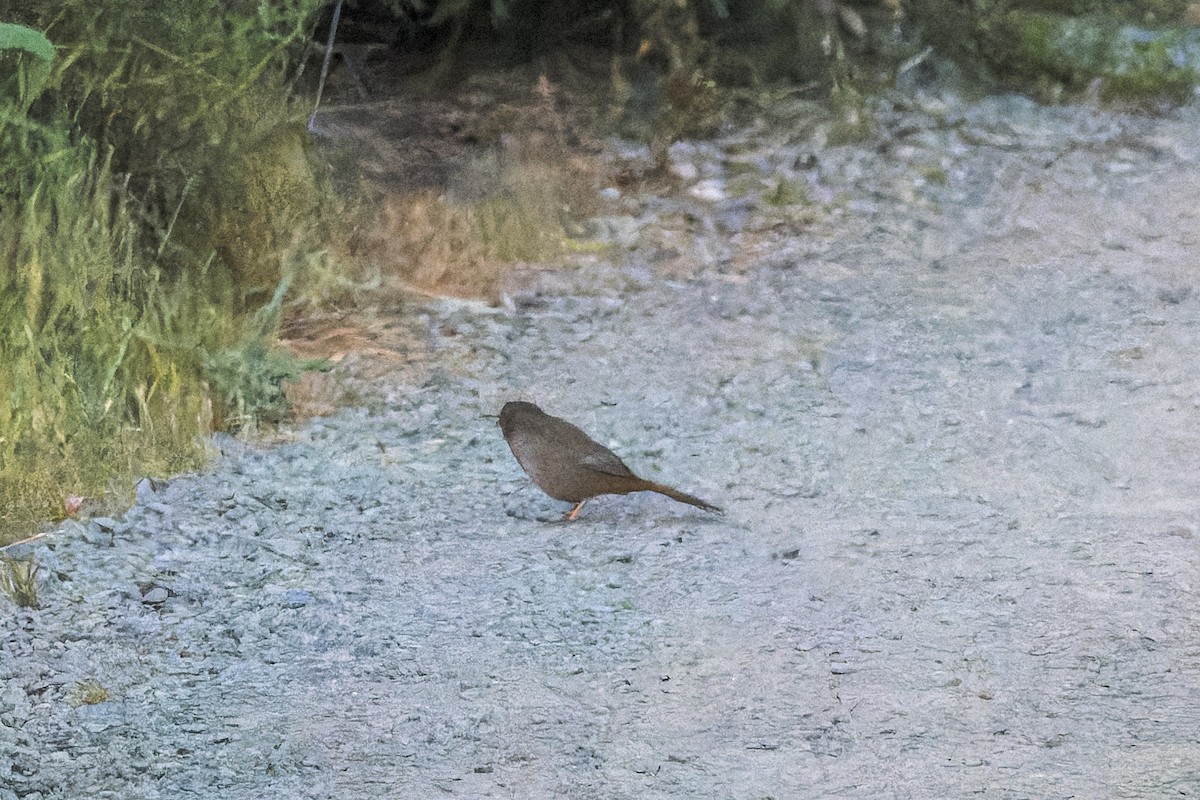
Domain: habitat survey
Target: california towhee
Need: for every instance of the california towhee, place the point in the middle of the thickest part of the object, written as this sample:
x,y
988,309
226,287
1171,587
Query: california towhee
x,y
569,465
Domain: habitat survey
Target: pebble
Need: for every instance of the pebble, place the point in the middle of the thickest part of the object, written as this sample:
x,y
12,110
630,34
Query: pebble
x,y
711,190
295,598
155,596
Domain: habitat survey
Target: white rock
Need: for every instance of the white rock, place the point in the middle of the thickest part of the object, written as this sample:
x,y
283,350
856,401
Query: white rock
x,y
710,191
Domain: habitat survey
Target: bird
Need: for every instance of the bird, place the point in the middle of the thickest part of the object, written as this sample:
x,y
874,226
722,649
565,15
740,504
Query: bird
x,y
569,465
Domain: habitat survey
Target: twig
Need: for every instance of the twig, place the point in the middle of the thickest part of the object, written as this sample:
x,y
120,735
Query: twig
x,y
337,14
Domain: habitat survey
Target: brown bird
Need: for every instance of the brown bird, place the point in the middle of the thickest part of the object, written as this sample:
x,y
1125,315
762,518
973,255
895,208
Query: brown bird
x,y
569,465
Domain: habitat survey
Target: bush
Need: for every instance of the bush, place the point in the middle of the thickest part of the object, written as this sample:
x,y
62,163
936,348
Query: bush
x,y
156,190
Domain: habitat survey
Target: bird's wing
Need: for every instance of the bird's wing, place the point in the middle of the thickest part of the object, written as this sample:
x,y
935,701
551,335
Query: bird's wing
x,y
606,461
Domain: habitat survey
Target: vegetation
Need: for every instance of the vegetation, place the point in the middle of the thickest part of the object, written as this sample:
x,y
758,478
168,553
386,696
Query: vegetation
x,y
87,692
1060,49
1055,53
155,194
18,580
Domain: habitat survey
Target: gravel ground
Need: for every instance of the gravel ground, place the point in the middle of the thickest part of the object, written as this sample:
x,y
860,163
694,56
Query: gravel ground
x,y
954,426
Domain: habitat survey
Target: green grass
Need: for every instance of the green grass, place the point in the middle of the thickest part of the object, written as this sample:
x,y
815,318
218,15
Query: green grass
x,y
156,201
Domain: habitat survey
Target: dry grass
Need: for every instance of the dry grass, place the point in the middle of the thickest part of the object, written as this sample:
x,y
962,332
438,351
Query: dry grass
x,y
515,212
87,692
18,580
515,204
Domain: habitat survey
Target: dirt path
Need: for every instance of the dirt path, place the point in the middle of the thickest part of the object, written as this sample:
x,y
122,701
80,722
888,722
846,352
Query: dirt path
x,y
955,429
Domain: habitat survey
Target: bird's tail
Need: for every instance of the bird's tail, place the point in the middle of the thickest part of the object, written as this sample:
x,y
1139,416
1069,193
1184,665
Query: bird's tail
x,y
675,494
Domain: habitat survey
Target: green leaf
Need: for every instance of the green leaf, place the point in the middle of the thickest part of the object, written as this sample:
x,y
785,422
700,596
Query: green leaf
x,y
26,84
18,37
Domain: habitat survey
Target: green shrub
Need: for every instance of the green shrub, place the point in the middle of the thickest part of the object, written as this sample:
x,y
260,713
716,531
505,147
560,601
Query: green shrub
x,y
155,190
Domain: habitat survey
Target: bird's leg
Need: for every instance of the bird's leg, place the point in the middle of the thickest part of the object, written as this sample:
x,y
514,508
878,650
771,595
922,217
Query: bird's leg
x,y
575,511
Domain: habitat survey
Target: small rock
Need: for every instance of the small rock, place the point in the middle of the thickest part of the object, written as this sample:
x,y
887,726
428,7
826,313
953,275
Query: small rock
x,y
236,513
710,191
685,171
109,525
155,596
145,491
619,230
295,598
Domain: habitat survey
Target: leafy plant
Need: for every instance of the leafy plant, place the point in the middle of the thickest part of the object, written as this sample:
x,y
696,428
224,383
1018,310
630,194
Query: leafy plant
x,y
34,55
155,187
248,378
